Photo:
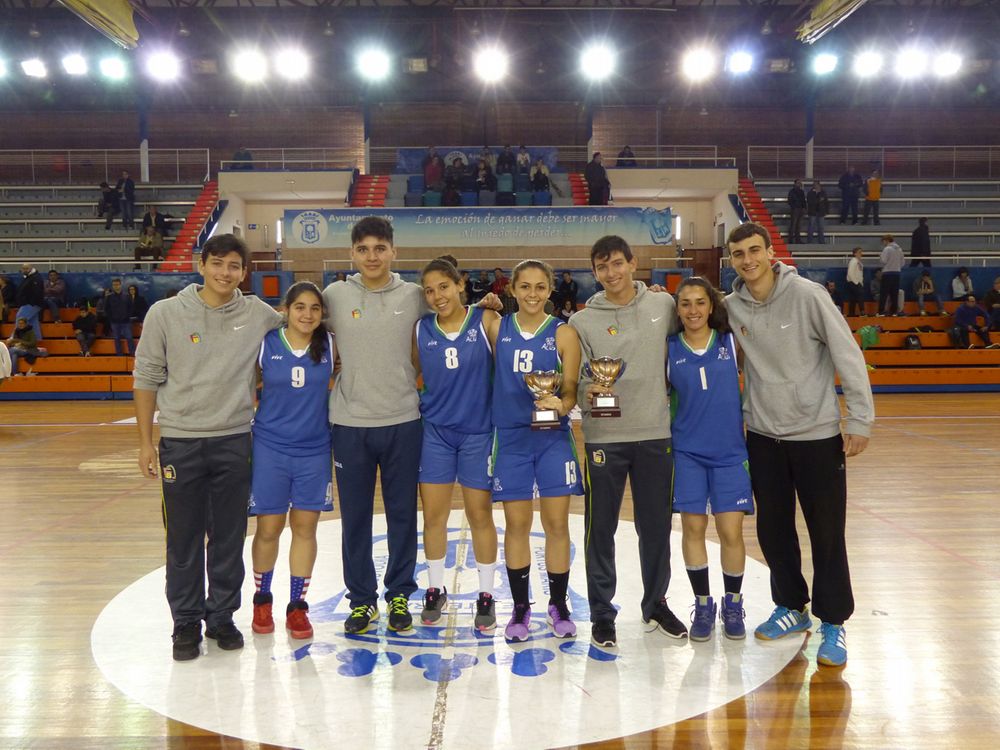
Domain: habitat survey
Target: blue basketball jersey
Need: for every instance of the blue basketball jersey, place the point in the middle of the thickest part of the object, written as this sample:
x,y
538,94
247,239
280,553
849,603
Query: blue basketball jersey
x,y
292,416
709,419
457,374
518,353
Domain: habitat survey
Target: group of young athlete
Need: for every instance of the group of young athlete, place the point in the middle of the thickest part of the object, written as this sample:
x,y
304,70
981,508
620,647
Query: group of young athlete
x,y
202,352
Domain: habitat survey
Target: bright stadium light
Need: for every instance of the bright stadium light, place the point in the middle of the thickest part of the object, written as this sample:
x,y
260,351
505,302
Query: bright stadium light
x,y
698,64
947,64
291,64
491,64
911,63
34,68
113,68
249,65
373,64
163,66
824,64
597,62
867,64
75,65
3,69
739,63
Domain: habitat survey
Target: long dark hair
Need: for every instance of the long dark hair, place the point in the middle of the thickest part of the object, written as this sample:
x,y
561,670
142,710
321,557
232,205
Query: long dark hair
x,y
719,318
318,343
445,266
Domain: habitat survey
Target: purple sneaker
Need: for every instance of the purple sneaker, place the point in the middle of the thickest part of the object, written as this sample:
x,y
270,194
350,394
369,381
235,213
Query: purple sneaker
x,y
517,628
558,620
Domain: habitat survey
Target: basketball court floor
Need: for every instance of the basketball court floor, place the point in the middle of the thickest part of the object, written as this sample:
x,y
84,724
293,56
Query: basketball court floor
x,y
85,647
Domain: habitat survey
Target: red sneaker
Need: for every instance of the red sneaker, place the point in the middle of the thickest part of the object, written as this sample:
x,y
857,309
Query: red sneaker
x,y
297,620
263,622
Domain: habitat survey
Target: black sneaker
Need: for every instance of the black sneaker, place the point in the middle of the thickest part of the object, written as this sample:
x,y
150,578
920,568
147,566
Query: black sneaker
x,y
486,613
400,619
187,641
226,635
360,619
603,633
663,619
434,601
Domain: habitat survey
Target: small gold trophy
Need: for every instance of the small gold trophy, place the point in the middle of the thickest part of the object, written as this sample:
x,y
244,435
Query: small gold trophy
x,y
604,371
543,383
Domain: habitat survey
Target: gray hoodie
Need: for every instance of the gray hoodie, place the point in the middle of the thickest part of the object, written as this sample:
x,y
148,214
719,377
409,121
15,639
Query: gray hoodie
x,y
795,343
200,361
637,333
377,385
892,258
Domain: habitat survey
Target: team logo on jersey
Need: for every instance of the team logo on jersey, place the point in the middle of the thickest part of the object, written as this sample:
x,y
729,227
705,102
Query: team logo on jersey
x,y
598,458
195,338
612,330
432,342
497,487
743,501
724,353
323,360
253,502
355,313
550,344
169,473
470,337
276,356
743,330
680,361
506,339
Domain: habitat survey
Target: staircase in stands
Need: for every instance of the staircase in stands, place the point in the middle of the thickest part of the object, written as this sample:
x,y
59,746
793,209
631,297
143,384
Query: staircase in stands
x,y
759,214
370,190
578,186
179,255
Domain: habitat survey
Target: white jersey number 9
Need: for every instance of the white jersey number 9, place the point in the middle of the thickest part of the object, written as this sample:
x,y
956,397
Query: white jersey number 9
x,y
298,377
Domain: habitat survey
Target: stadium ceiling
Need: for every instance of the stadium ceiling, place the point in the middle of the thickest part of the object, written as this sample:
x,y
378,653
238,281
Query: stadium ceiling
x,y
485,5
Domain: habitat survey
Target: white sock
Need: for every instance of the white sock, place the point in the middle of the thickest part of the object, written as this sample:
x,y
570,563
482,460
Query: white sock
x,y
435,572
487,572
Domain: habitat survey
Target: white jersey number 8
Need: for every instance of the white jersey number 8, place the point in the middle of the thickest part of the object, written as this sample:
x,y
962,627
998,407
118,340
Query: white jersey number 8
x,y
451,358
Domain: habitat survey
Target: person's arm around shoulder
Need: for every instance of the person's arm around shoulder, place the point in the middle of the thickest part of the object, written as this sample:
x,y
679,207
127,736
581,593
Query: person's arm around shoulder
x,y
568,345
492,331
150,372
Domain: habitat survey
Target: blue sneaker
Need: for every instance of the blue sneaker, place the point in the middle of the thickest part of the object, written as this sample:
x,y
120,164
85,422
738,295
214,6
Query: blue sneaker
x,y
703,621
732,617
783,621
833,650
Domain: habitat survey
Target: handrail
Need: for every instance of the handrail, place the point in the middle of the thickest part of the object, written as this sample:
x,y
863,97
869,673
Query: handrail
x,y
91,166
956,259
323,157
894,161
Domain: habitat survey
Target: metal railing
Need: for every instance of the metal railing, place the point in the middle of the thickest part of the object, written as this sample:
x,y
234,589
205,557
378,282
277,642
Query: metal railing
x,y
895,162
841,259
92,166
292,159
62,263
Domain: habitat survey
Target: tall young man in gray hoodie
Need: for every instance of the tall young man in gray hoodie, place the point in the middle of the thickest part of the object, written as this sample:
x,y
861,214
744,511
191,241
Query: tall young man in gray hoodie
x,y
795,342
627,321
195,362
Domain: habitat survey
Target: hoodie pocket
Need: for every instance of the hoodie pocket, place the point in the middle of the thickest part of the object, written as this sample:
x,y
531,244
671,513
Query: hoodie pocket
x,y
775,408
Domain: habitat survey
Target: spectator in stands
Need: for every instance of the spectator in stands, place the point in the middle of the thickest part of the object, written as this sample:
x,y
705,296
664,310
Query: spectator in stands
x,y
480,286
892,266
597,181
500,282
485,179
991,303
118,310
875,286
150,245
109,206
873,194
85,329
838,301
126,189
428,158
850,184
468,289
523,161
508,300
139,305
341,276
454,173
6,297
487,155
242,159
856,283
55,295
817,207
434,174
967,321
923,288
30,297
23,343
506,162
961,285
797,206
626,158
153,218
568,290
5,371
920,244
540,177
566,311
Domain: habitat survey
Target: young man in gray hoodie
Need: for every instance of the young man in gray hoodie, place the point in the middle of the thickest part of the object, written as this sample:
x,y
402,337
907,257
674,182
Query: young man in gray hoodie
x,y
195,362
627,321
795,342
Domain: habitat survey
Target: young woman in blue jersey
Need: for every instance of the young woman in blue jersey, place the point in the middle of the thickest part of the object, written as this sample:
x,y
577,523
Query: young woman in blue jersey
x,y
529,463
452,352
710,455
292,473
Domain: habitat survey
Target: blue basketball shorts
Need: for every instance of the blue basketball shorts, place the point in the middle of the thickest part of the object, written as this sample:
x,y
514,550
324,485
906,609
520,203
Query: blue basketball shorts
x,y
281,481
447,455
534,463
703,489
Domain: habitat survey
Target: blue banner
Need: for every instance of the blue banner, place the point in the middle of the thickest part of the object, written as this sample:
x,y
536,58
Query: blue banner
x,y
411,160
484,227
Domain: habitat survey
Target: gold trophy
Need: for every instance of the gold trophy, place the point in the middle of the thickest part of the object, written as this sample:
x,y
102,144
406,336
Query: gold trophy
x,y
542,384
604,371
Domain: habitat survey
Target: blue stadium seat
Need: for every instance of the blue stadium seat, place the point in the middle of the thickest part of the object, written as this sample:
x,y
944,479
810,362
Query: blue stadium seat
x,y
522,182
505,198
470,198
432,198
522,198
487,198
505,183
542,198
415,183
413,200
467,183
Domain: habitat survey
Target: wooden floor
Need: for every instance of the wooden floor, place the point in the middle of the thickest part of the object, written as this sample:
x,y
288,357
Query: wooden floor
x,y
923,534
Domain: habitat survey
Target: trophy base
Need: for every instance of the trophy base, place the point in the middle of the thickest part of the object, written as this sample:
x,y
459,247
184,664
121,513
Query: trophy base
x,y
605,406
544,419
